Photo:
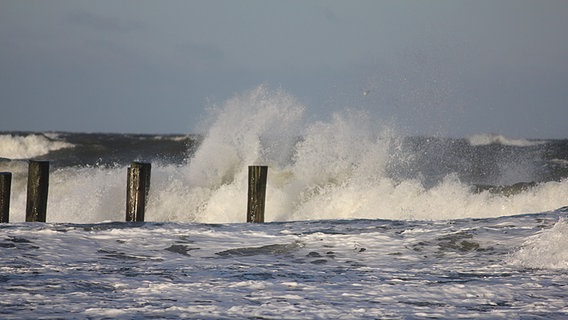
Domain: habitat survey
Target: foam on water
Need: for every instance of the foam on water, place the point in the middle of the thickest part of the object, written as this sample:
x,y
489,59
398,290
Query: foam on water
x,y
29,146
344,168
337,170
76,195
546,250
356,269
490,138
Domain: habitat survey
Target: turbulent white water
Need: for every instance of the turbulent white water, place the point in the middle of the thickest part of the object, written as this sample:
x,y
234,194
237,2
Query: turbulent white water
x,y
349,269
29,146
546,250
335,169
433,246
485,139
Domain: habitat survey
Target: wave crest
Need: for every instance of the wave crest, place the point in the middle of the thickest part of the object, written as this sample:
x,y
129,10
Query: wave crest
x,y
29,146
491,138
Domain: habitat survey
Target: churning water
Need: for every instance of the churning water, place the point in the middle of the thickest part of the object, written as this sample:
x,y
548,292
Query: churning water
x,y
363,222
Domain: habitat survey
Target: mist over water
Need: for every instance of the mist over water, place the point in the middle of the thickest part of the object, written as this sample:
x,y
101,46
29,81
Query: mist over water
x,y
346,167
350,166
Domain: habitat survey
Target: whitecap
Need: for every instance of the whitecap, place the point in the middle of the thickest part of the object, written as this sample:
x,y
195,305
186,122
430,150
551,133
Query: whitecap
x,y
29,146
491,138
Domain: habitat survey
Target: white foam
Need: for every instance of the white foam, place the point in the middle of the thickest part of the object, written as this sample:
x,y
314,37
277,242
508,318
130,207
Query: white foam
x,y
560,162
29,146
98,194
491,138
79,195
337,170
171,137
355,269
546,250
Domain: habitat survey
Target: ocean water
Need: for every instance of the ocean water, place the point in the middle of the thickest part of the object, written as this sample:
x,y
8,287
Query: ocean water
x,y
362,222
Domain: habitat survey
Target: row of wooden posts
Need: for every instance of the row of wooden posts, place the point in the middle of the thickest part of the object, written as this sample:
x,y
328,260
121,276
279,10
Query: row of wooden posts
x,y
137,190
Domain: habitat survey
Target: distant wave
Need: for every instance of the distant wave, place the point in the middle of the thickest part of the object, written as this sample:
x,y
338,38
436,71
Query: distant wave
x,y
559,162
29,146
170,137
490,138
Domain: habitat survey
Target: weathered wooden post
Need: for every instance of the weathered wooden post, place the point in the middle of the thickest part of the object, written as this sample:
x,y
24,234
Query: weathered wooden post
x,y
38,184
256,193
137,189
5,185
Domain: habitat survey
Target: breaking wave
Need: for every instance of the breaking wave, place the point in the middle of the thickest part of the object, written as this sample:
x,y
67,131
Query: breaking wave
x,y
29,146
346,167
489,138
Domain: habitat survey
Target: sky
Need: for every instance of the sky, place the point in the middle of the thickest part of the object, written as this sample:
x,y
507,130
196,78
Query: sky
x,y
438,67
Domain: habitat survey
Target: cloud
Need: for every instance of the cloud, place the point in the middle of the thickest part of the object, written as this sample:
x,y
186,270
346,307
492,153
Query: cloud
x,y
198,57
100,22
330,15
201,51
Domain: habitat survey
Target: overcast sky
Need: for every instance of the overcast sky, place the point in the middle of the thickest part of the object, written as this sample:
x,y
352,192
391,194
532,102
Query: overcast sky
x,y
450,68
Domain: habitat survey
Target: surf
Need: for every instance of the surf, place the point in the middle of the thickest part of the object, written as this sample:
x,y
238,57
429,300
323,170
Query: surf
x,y
349,166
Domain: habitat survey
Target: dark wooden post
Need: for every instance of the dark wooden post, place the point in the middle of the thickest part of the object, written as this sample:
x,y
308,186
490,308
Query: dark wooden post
x,y
137,189
38,184
146,172
256,193
5,185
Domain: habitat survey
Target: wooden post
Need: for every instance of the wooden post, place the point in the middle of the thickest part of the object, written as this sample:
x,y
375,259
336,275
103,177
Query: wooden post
x,y
256,193
146,172
137,189
5,185
38,184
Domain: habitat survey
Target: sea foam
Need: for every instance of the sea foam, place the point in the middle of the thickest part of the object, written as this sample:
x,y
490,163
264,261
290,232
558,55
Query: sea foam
x,y
346,167
491,138
336,169
546,250
29,146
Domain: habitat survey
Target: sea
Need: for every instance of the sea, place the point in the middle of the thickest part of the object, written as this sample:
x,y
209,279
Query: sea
x,y
362,222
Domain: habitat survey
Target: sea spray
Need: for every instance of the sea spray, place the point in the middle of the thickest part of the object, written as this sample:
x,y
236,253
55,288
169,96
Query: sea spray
x,y
80,195
334,161
255,127
316,172
258,127
346,167
487,139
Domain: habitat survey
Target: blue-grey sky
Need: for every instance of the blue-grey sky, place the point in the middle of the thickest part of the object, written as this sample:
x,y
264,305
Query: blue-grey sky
x,y
451,68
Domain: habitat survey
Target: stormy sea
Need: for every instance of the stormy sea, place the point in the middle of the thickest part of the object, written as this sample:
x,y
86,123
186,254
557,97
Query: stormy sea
x,y
361,222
